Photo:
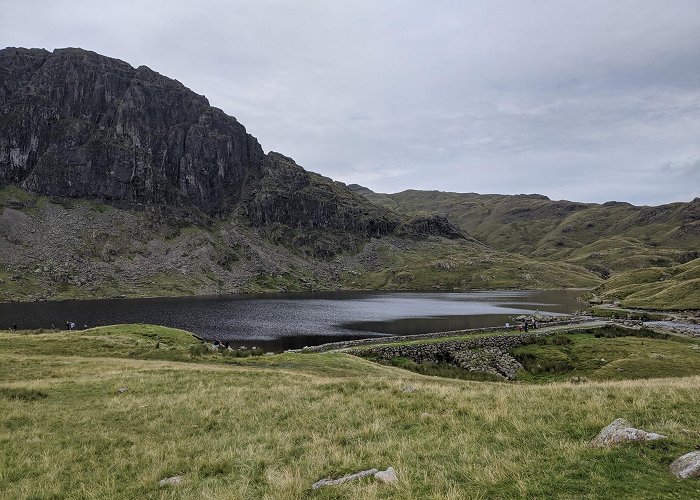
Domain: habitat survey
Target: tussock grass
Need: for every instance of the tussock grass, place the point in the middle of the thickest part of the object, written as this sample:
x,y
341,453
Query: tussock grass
x,y
269,427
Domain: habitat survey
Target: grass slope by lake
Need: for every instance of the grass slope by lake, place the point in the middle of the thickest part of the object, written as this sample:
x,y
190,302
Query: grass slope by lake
x,y
268,427
607,238
610,353
662,288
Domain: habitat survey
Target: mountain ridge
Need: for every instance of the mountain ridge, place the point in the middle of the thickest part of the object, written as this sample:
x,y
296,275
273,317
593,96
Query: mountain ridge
x,y
119,181
605,238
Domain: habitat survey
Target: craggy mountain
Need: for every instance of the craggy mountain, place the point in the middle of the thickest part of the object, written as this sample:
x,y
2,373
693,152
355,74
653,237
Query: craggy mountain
x,y
118,181
76,124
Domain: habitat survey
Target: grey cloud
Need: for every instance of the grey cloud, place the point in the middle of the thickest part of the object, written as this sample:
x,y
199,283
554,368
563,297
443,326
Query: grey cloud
x,y
578,100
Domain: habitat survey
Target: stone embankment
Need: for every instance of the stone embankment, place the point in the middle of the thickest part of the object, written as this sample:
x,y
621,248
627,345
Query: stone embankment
x,y
348,344
482,354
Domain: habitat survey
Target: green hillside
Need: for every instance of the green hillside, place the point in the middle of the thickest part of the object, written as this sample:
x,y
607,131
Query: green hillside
x,y
605,238
57,248
664,288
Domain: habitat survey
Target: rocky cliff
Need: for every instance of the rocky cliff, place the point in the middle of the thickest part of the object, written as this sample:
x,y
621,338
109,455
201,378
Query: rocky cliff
x,y
118,181
77,124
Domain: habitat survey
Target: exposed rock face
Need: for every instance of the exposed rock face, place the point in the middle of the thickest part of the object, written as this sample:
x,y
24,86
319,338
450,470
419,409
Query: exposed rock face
x,y
311,211
433,225
621,431
74,123
287,194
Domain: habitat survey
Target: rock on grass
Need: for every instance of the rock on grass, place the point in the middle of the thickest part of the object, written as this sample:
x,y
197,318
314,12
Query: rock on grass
x,y
621,431
171,481
344,479
686,466
386,476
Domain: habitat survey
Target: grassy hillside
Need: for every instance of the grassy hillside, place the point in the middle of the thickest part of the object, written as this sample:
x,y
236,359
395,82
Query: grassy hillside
x,y
663,288
447,265
601,355
271,426
605,238
53,248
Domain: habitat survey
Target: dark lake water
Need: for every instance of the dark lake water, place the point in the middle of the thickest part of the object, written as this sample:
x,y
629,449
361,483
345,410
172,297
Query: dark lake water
x,y
287,321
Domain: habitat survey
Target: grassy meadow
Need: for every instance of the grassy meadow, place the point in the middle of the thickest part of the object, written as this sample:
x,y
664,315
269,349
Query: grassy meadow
x,y
270,426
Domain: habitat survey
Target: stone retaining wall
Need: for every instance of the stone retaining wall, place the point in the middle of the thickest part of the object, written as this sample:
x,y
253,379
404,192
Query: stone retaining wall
x,y
403,338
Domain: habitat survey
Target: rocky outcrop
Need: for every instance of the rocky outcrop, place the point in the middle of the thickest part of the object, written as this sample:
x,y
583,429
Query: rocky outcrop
x,y
350,477
621,431
171,481
287,194
385,476
77,124
432,225
310,212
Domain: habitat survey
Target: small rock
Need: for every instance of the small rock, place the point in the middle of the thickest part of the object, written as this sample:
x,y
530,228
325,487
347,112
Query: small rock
x,y
350,477
686,466
425,415
620,431
408,388
122,390
386,476
170,481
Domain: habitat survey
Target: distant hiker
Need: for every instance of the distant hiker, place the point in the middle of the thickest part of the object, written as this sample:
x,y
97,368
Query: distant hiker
x,y
525,326
507,325
14,327
67,325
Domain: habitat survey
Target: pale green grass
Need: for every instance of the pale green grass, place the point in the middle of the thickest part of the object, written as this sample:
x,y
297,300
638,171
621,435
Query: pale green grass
x,y
269,427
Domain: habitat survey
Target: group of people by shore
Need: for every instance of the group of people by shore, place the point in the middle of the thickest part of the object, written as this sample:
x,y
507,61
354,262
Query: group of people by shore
x,y
524,325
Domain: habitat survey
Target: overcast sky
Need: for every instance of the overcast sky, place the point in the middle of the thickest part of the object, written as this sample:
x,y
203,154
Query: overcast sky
x,y
582,100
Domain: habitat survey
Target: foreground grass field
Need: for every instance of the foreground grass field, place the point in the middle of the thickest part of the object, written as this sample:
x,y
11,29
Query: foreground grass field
x,y
268,427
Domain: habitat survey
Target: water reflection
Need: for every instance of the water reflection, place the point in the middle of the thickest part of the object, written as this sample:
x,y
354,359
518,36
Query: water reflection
x,y
283,321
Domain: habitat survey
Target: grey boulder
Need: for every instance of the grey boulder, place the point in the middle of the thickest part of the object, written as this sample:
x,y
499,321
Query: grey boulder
x,y
386,476
621,431
686,466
